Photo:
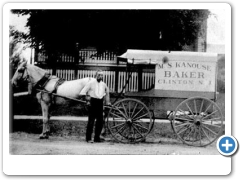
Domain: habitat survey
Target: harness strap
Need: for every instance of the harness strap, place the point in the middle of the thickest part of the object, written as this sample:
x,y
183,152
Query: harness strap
x,y
57,84
42,82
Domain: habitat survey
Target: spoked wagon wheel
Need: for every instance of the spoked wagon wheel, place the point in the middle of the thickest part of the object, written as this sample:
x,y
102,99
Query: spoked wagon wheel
x,y
198,121
129,121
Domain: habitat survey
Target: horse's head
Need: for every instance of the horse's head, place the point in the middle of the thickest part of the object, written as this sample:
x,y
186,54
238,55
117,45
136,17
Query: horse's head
x,y
21,74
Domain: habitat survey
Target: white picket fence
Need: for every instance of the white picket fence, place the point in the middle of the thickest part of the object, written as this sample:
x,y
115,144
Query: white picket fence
x,y
67,74
148,79
90,56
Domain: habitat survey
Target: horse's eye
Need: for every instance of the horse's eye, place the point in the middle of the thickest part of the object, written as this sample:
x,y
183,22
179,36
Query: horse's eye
x,y
20,70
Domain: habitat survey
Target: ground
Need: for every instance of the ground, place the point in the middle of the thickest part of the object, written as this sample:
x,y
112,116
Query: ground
x,y
67,137
28,144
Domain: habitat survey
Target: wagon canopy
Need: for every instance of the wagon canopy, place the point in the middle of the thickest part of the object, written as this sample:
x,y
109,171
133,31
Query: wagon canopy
x,y
156,57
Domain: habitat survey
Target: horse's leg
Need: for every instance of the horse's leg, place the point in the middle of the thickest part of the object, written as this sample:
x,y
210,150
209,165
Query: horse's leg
x,y
45,101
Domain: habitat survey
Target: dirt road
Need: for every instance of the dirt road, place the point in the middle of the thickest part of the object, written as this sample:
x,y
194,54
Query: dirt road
x,y
29,144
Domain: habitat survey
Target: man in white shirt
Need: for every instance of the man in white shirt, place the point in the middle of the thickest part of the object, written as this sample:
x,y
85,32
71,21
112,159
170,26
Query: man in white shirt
x,y
97,90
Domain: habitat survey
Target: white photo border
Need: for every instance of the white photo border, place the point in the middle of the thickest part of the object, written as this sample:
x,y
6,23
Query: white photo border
x,y
126,165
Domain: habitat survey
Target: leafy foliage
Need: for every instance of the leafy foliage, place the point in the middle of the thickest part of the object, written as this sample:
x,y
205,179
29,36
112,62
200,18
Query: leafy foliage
x,y
15,38
116,30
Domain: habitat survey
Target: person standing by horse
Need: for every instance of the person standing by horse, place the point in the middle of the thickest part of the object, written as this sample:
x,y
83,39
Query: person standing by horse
x,y
96,90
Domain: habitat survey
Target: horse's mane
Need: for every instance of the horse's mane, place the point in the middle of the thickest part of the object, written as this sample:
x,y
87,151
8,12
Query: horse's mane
x,y
35,72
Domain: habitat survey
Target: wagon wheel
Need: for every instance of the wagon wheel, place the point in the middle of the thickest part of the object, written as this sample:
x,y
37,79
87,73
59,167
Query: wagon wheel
x,y
129,121
198,121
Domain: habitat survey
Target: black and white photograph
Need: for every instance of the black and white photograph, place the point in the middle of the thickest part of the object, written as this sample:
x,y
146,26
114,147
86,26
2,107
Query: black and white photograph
x,y
121,81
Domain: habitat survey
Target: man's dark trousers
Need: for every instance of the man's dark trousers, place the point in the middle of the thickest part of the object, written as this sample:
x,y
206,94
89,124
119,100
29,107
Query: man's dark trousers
x,y
95,112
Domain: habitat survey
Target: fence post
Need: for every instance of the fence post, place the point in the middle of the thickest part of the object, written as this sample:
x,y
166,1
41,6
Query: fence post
x,y
76,60
36,54
116,78
54,62
140,78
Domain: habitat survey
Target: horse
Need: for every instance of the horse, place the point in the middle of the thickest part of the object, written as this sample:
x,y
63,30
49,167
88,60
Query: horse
x,y
40,79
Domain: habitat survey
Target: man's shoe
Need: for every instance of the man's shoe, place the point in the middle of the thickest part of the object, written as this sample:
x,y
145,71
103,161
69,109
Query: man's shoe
x,y
43,136
89,141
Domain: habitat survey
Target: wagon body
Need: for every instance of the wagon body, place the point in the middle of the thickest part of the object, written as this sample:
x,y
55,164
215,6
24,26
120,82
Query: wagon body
x,y
184,75
184,92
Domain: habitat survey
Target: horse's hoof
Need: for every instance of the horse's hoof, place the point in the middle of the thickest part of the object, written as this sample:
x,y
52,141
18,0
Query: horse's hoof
x,y
43,136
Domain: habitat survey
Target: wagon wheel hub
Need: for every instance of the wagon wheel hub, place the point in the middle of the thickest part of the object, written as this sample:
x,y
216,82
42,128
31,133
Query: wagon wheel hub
x,y
129,121
197,123
197,120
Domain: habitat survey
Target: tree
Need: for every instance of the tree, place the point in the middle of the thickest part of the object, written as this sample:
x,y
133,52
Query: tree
x,y
16,39
116,30
16,43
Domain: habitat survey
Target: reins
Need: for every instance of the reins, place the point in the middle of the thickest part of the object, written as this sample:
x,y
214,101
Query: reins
x,y
65,97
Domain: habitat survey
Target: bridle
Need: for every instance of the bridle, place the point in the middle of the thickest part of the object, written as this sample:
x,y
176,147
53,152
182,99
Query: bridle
x,y
23,70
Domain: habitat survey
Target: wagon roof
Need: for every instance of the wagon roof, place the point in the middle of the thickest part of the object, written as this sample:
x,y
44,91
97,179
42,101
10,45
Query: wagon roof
x,y
155,57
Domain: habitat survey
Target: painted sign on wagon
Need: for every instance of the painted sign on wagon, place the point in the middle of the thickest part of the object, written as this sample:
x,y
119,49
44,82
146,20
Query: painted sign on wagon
x,y
185,75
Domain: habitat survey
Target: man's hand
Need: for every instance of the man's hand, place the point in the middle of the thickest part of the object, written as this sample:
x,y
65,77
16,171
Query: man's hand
x,y
30,89
87,98
88,103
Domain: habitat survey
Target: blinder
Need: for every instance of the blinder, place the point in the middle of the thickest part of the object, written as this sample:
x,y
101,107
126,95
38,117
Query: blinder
x,y
22,70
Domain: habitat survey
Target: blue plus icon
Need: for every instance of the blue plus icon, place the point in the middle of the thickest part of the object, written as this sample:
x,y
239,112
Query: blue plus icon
x,y
227,145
